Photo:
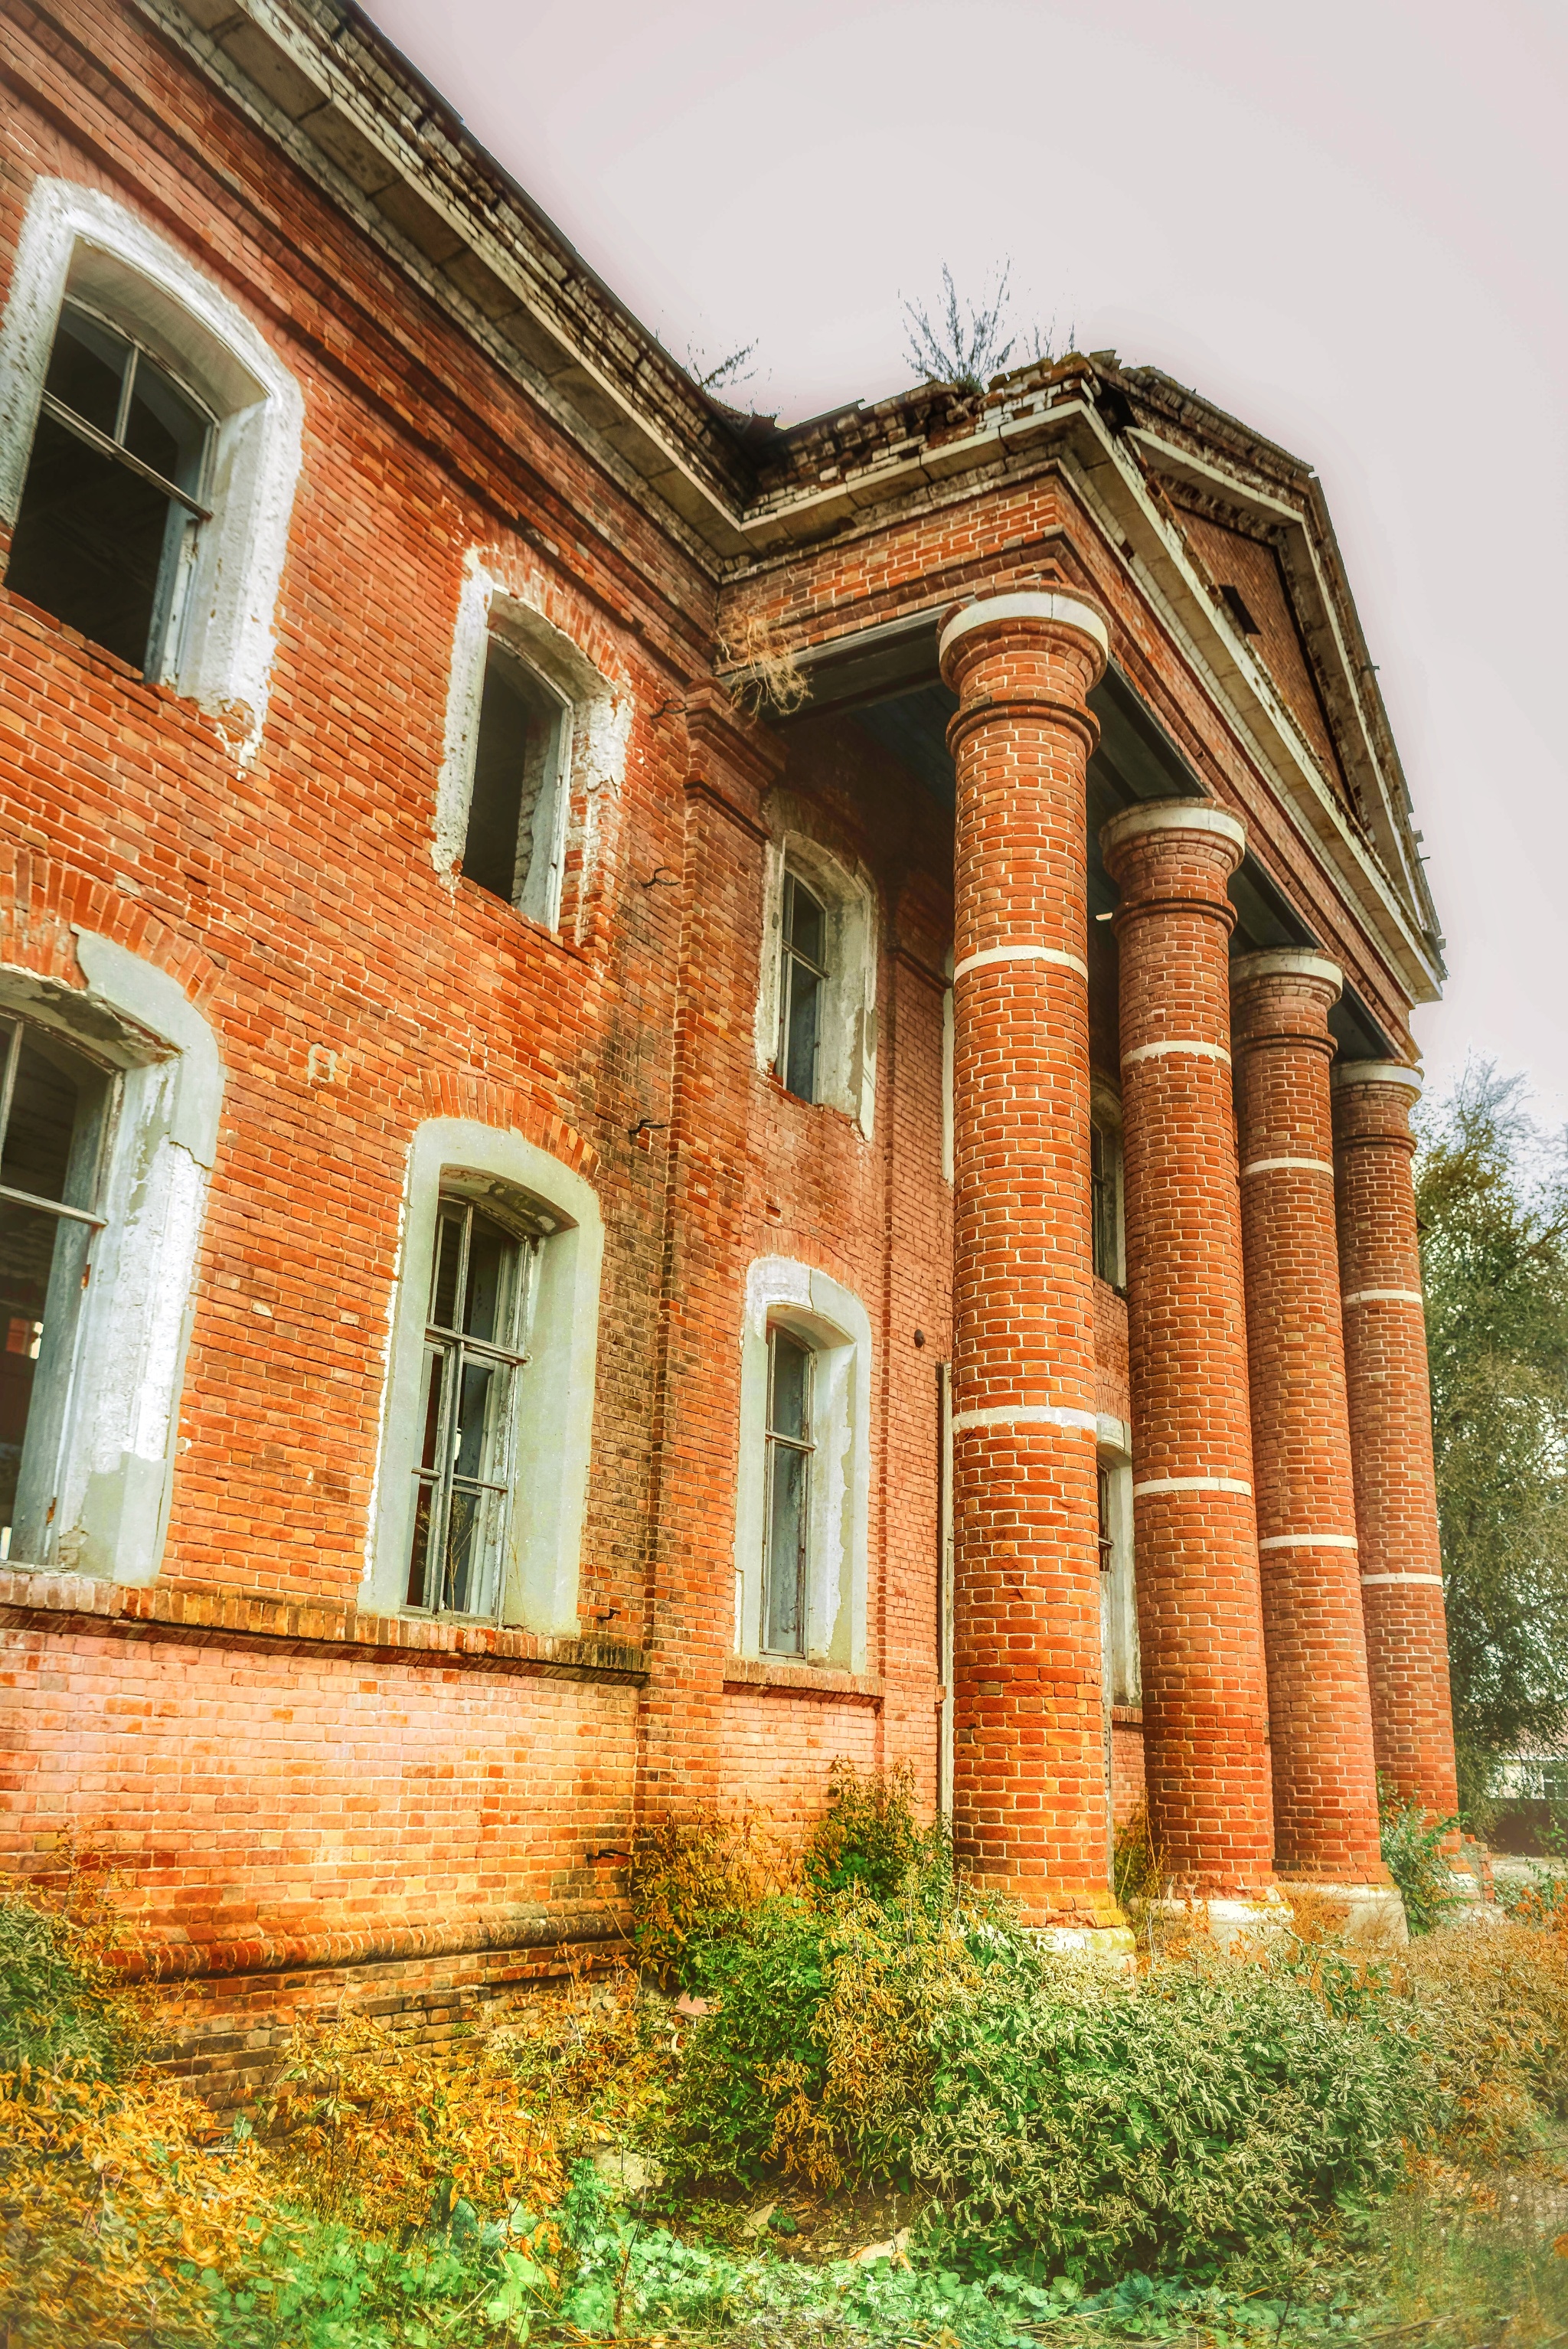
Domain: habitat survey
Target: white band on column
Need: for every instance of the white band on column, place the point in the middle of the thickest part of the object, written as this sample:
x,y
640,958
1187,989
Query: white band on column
x,y
1267,1165
1192,1484
1176,1044
1310,1541
1384,1297
1019,954
1436,1581
1024,1414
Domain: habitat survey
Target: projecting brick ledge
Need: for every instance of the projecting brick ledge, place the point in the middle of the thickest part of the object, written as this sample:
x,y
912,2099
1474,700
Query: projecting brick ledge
x,y
214,1616
774,1675
383,1943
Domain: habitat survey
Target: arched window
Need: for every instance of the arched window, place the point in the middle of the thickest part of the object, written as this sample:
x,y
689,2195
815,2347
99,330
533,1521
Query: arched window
x,y
816,1014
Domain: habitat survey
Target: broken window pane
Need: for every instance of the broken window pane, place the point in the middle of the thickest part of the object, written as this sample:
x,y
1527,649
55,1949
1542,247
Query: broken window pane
x,y
53,1105
803,978
99,542
512,847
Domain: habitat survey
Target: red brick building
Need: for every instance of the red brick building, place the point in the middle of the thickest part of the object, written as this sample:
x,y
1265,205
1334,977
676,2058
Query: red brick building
x,y
679,1098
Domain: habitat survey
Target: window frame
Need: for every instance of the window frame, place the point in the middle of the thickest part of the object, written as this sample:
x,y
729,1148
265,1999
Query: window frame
x,y
115,1460
1107,1214
847,1009
793,961
78,242
536,894
553,1393
804,1448
832,1323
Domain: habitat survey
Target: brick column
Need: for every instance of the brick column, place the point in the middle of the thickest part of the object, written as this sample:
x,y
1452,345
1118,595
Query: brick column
x,y
1029,1793
1391,1432
1320,1717
1205,1699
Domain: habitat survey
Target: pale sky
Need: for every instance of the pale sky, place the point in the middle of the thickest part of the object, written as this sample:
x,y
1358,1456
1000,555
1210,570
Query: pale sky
x,y
1346,222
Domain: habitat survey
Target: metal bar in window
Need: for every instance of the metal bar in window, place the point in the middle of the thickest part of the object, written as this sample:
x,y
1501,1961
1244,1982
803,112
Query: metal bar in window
x,y
105,447
51,1207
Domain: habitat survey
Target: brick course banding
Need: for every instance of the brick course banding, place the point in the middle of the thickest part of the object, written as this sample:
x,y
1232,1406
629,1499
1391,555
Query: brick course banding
x,y
1205,1703
1325,1780
1389,1398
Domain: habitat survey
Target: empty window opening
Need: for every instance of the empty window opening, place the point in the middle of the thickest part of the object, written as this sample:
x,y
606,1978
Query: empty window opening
x,y
803,980
475,1344
1105,1193
55,1114
1235,603
790,1446
513,847
105,531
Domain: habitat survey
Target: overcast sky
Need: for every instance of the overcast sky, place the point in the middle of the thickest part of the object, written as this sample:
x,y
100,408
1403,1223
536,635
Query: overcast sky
x,y
1343,221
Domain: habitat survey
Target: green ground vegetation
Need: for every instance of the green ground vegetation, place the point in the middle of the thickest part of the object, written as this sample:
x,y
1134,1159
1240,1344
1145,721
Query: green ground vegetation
x,y
826,2097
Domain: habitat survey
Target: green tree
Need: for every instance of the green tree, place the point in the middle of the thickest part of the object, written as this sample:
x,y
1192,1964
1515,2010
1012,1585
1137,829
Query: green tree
x,y
1492,1195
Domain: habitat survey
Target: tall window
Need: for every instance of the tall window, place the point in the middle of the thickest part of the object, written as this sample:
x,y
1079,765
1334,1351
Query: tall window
x,y
790,1446
56,1107
1104,1189
513,847
802,981
105,531
476,1342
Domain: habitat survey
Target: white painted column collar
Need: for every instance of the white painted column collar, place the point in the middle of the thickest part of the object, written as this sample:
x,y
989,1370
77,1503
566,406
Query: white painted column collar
x,y
1376,1072
1029,604
1286,962
1173,816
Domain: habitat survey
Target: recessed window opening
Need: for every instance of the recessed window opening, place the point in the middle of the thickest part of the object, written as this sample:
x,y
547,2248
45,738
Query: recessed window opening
x,y
513,847
1107,1538
105,531
803,980
790,1446
1105,1194
475,1344
56,1109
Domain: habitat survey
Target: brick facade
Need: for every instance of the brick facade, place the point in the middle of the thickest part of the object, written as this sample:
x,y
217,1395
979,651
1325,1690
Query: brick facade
x,y
302,1781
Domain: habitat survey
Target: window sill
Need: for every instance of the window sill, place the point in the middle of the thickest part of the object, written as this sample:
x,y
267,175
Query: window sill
x,y
1127,1716
791,1677
221,1614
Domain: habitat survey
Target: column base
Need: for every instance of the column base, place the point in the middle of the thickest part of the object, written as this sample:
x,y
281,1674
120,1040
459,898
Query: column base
x,y
1230,1921
1370,1913
1115,1946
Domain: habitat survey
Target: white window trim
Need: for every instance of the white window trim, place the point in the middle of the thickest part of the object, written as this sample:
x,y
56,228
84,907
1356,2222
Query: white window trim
x,y
595,725
78,240
118,1453
554,1393
834,1323
847,1047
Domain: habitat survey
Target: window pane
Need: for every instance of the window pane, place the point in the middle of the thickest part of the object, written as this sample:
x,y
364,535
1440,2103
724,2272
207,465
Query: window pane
x,y
448,1266
50,1144
790,1412
787,1500
472,1585
492,1264
29,1243
800,1032
501,759
477,1437
420,1556
86,369
89,544
808,924
430,1464
164,429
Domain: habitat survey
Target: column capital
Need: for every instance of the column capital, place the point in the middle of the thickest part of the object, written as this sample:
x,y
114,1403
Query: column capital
x,y
1288,962
1203,816
1049,607
1378,1072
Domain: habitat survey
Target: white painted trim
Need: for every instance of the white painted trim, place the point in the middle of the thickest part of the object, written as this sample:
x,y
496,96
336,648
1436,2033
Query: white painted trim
x,y
554,1393
79,238
1026,1414
1267,1166
1435,1582
1310,1541
1113,1435
1376,1072
1384,1296
1172,815
1020,954
501,597
834,1323
847,1052
1068,611
1192,1484
1176,1044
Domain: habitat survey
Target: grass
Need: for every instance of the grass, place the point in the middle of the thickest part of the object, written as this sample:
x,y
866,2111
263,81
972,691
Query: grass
x,y
839,2102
